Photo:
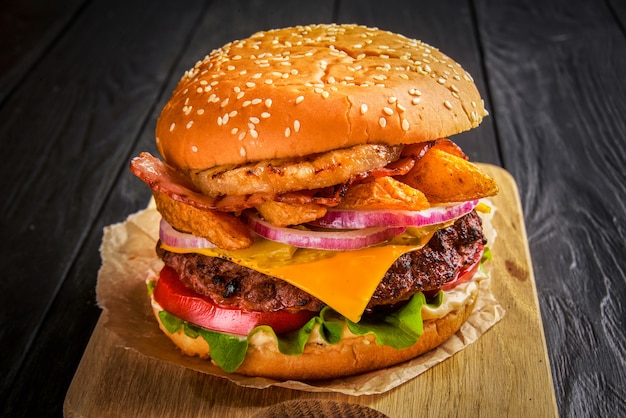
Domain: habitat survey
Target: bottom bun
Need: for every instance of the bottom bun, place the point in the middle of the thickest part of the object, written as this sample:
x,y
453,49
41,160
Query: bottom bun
x,y
320,360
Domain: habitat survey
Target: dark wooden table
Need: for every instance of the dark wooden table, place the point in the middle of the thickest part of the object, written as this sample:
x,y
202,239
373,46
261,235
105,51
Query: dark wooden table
x,y
81,85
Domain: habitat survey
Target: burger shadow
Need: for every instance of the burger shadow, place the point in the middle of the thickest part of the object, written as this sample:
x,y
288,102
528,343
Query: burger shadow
x,y
221,393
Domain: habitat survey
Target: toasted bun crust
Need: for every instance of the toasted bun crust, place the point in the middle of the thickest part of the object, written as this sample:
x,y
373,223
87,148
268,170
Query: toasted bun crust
x,y
303,90
353,355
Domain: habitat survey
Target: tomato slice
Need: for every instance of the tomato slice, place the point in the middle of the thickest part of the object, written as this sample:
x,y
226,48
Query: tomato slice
x,y
179,300
466,273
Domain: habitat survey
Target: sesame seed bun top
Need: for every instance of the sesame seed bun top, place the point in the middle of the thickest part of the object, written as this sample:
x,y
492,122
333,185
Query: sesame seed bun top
x,y
309,89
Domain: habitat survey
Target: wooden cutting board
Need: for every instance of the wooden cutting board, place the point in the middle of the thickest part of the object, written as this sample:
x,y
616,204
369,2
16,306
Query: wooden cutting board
x,y
505,373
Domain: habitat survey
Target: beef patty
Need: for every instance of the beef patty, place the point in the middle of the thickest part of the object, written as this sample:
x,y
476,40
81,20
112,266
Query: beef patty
x,y
449,251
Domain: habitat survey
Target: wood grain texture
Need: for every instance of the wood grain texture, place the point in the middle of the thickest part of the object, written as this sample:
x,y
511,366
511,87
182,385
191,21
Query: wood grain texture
x,y
504,373
28,28
556,76
80,112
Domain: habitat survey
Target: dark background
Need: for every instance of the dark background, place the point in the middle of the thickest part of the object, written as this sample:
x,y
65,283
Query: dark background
x,y
82,82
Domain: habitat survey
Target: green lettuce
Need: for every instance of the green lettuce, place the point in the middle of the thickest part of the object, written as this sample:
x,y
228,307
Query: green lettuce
x,y
400,329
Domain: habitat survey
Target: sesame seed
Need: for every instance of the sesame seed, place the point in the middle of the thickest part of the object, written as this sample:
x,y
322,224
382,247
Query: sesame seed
x,y
447,104
441,80
194,148
388,110
189,124
234,131
232,113
242,135
287,132
225,119
255,120
296,125
257,75
392,99
256,101
224,102
199,89
268,102
415,100
219,121
265,115
269,81
240,95
172,126
401,108
325,94
299,99
363,108
405,125
250,84
246,103
382,122
242,151
254,133
200,111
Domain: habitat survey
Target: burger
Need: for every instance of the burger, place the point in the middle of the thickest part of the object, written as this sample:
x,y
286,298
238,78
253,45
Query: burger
x,y
317,222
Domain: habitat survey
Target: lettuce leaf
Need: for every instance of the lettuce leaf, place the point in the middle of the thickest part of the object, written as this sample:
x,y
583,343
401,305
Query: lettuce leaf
x,y
399,330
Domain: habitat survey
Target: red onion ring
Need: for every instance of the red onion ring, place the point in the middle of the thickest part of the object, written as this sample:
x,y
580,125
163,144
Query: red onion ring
x,y
173,238
355,219
321,240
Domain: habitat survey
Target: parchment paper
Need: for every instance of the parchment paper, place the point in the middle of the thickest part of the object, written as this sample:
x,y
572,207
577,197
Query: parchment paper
x,y
129,259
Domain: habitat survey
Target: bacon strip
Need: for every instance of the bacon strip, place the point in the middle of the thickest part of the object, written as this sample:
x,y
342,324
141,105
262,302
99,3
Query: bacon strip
x,y
165,179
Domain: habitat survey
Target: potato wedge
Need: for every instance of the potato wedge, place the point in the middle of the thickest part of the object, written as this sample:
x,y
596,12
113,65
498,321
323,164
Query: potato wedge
x,y
284,214
444,177
383,193
221,228
444,144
